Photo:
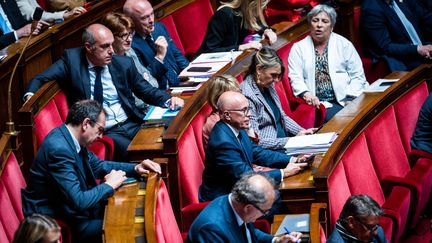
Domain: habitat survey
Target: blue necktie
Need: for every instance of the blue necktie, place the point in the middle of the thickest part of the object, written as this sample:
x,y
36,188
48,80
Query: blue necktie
x,y
3,25
98,89
407,24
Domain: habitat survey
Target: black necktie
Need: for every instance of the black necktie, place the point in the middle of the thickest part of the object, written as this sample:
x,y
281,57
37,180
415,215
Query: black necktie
x,y
243,230
151,43
98,89
89,177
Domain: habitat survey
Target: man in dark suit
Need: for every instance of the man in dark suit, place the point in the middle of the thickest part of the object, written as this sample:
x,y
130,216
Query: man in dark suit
x,y
93,72
13,26
397,31
422,137
230,218
230,153
153,44
359,222
62,180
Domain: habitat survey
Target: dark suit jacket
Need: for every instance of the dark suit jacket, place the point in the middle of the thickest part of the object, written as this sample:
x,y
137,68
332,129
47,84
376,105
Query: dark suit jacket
x,y
226,160
385,36
72,74
174,61
217,223
15,18
336,237
422,137
58,184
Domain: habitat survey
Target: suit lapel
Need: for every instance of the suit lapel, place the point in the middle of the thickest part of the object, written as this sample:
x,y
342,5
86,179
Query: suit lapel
x,y
242,148
261,98
231,221
391,14
85,75
78,160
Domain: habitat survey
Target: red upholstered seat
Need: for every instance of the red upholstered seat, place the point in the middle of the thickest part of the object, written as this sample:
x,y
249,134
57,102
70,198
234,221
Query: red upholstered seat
x,y
3,236
362,179
197,125
373,71
392,165
13,181
8,217
165,223
172,30
305,115
53,114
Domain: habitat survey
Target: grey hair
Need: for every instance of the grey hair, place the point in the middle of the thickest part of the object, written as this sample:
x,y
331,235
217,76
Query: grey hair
x,y
245,193
330,11
360,206
88,36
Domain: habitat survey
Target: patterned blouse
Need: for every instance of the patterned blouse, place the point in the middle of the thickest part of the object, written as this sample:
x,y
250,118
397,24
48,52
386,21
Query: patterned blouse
x,y
324,87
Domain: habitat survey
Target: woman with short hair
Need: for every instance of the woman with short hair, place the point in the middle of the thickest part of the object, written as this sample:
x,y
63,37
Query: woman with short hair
x,y
38,228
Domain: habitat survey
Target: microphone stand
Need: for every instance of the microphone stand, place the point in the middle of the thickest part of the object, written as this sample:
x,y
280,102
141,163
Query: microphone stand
x,y
10,125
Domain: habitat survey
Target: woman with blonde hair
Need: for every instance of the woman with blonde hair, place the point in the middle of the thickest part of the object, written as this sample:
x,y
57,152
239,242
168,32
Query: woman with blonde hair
x,y
38,228
237,25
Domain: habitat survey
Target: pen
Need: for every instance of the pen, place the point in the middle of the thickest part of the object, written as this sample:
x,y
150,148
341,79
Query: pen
x,y
288,232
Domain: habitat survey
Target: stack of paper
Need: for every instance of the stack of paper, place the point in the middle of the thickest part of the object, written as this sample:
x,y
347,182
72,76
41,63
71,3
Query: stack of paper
x,y
208,64
380,85
309,144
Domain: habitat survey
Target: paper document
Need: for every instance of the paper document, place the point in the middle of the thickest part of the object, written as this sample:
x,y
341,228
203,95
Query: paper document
x,y
294,222
217,57
380,85
315,143
214,67
158,113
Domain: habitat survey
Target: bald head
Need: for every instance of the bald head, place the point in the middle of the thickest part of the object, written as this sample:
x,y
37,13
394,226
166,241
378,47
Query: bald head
x,y
234,109
98,41
142,14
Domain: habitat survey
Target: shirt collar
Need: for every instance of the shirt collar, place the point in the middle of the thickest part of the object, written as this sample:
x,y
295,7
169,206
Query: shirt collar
x,y
234,130
91,65
75,141
238,218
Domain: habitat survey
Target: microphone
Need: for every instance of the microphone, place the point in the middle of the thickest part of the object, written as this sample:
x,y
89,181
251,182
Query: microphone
x,y
10,125
37,15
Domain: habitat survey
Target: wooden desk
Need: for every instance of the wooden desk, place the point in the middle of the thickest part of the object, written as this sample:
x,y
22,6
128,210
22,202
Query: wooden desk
x,y
119,219
299,191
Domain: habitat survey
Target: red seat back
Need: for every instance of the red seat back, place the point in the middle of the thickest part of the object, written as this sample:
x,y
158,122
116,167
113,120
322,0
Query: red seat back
x,y
13,181
3,236
8,217
172,30
166,226
338,192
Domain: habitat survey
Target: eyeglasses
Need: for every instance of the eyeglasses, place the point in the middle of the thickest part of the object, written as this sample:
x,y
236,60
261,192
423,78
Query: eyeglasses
x,y
264,212
100,128
245,110
125,36
371,228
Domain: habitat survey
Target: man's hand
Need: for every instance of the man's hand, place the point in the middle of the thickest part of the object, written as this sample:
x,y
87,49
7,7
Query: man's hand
x,y
307,131
253,44
74,12
425,51
146,166
270,35
115,178
293,168
293,237
24,31
311,99
161,47
176,103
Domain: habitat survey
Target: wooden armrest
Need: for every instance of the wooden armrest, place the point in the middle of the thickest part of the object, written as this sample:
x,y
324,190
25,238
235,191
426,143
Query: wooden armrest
x,y
318,215
164,166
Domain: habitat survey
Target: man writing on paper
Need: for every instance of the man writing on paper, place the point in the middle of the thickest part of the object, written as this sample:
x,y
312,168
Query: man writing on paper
x,y
62,180
92,72
230,153
230,218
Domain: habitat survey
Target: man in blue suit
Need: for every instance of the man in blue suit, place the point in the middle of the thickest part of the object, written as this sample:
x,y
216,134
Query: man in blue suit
x,y
397,31
153,44
230,153
93,72
230,218
62,180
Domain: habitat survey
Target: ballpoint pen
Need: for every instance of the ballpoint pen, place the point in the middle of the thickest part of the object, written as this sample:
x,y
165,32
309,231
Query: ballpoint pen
x,y
288,232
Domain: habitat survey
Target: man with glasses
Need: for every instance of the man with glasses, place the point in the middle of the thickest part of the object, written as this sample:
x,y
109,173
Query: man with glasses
x,y
93,72
62,181
230,153
359,221
230,218
153,44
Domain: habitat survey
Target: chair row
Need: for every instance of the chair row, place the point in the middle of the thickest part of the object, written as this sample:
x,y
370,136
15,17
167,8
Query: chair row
x,y
377,162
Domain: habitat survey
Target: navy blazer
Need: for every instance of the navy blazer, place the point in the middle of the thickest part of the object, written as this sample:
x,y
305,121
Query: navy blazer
x,y
217,223
226,160
72,74
422,137
173,63
384,35
336,237
15,18
58,185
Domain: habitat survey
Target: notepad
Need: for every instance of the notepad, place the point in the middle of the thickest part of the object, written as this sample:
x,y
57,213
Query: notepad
x,y
294,222
308,144
158,113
